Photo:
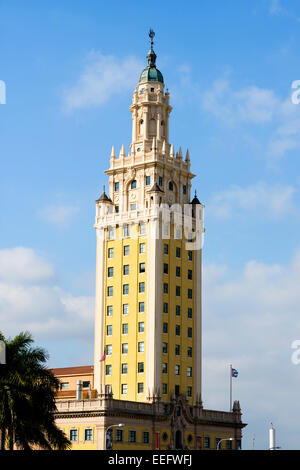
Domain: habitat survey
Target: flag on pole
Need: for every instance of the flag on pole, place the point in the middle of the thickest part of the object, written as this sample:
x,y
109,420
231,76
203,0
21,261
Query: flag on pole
x,y
234,373
103,357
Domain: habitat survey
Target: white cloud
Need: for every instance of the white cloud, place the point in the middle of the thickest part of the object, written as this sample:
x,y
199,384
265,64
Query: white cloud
x,y
60,215
250,319
30,299
103,77
252,104
279,118
22,264
269,200
275,7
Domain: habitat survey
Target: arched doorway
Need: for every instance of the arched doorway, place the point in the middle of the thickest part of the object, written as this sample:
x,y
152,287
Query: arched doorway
x,y
178,440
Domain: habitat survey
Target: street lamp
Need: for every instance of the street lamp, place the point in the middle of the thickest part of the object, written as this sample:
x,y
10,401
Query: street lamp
x,y
108,441
226,439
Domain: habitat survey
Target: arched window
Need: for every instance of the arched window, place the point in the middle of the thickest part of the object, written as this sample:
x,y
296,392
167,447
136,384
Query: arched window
x,y
141,126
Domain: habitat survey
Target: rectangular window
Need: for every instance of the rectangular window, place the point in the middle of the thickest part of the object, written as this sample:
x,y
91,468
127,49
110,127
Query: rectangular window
x,y
125,348
206,442
126,231
109,330
124,389
86,384
189,391
125,328
142,248
109,310
108,370
177,390
165,327
189,352
148,180
164,368
217,440
164,389
165,348
109,350
165,307
73,435
126,269
177,271
88,434
177,350
132,436
177,252
190,313
177,310
166,288
124,368
110,252
190,293
142,228
117,209
228,444
140,387
184,189
141,307
166,268
141,327
133,207
141,346
177,369
119,435
190,274
189,372
160,181
141,287
117,186
110,272
178,233
110,291
190,332
133,184
64,386
190,255
166,249
177,330
125,289
146,437
177,291
126,250
140,367
111,233
142,267
125,309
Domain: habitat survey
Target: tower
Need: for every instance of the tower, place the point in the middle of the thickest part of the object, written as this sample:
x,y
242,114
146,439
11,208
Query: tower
x,y
144,390
148,272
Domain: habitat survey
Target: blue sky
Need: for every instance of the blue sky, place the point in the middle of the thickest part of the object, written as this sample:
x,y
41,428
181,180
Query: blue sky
x,y
70,68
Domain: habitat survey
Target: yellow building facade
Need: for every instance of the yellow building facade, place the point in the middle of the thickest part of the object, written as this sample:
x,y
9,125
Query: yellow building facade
x,y
148,316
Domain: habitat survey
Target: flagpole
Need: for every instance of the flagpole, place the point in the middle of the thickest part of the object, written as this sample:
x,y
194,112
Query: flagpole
x,y
230,370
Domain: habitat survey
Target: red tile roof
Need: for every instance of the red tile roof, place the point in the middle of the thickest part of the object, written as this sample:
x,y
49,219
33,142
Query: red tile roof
x,y
80,370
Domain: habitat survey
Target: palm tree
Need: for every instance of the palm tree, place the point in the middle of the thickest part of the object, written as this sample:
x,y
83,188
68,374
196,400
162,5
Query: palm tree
x,y
27,398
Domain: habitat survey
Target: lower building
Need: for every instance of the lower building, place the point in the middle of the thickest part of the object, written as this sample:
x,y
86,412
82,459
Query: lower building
x,y
94,421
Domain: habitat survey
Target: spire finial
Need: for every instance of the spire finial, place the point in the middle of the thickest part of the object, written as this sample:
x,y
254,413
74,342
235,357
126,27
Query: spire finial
x,y
151,56
151,36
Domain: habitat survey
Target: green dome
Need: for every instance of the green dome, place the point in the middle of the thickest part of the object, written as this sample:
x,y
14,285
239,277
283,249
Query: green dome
x,y
151,74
